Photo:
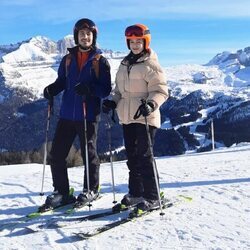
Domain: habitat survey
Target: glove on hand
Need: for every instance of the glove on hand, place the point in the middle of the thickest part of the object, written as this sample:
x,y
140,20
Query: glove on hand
x,y
147,108
82,89
108,105
47,94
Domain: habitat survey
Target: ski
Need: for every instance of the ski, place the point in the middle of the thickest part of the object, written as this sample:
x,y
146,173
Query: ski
x,y
55,223
132,216
34,215
117,223
77,220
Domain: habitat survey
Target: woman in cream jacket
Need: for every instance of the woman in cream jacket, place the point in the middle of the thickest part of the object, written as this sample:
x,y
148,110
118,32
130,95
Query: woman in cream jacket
x,y
139,76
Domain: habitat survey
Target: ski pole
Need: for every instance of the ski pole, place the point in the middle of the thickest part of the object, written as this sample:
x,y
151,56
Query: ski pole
x,y
50,109
111,157
86,149
143,101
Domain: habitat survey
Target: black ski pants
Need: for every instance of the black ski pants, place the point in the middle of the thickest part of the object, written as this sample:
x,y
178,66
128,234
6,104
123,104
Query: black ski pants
x,y
140,161
64,137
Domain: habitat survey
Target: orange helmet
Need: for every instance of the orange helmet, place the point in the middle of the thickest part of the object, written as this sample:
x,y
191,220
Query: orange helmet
x,y
138,31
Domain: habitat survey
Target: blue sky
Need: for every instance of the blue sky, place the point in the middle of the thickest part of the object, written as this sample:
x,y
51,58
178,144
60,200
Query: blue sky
x,y
183,31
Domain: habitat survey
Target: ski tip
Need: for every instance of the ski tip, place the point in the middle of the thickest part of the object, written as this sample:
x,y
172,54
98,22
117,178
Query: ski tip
x,y
187,198
33,215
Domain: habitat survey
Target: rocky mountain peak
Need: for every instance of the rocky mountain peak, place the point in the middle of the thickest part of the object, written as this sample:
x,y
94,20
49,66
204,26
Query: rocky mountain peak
x,y
241,57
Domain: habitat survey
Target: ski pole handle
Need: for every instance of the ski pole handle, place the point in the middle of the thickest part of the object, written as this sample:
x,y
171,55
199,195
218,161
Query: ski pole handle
x,y
138,112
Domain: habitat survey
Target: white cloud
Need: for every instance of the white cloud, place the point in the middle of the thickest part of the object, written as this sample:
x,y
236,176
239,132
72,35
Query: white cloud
x,y
162,9
61,11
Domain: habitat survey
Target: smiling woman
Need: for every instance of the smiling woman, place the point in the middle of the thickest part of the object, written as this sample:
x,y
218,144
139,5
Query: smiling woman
x,y
139,92
136,45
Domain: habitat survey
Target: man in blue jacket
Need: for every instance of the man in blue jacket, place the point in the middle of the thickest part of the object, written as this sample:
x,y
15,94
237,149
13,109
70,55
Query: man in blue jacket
x,y
83,88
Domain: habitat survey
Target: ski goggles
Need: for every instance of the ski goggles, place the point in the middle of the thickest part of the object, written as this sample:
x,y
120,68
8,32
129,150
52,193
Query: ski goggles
x,y
136,31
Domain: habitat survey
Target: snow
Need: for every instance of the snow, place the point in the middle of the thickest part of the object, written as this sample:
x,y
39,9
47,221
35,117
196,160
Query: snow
x,y
217,217
244,75
33,64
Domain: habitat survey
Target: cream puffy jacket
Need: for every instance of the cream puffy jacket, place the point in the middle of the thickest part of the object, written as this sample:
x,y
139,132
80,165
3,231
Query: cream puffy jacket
x,y
143,80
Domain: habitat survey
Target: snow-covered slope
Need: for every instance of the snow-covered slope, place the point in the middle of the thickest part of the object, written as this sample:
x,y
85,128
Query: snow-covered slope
x,y
199,93
217,217
217,90
33,64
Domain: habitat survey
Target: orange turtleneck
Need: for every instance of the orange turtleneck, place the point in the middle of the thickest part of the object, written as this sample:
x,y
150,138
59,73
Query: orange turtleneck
x,y
82,58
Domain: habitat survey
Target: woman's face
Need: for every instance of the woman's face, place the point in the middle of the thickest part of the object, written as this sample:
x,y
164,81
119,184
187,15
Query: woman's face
x,y
136,45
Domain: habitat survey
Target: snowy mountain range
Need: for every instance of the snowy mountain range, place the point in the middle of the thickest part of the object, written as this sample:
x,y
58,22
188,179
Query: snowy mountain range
x,y
217,91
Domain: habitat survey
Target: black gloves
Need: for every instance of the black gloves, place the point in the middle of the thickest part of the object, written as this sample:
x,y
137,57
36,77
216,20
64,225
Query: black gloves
x,y
108,105
47,94
82,89
147,108
52,90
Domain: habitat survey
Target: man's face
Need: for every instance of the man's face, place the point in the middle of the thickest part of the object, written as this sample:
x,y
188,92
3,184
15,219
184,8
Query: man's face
x,y
136,45
85,38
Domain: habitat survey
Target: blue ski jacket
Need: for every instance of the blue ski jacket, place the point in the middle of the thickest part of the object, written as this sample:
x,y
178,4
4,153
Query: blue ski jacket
x,y
70,75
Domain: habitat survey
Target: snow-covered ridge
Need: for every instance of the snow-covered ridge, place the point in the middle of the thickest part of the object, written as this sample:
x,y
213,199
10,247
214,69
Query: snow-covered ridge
x,y
242,56
36,49
33,64
236,65
219,90
5,49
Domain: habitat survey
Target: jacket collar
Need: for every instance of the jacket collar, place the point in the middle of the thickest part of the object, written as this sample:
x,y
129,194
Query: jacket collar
x,y
131,59
92,53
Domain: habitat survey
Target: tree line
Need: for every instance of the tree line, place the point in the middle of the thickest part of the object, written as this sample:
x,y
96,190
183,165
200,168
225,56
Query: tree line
x,y
37,156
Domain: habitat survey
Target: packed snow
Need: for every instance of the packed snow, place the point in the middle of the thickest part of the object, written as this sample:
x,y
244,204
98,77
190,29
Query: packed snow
x,y
217,217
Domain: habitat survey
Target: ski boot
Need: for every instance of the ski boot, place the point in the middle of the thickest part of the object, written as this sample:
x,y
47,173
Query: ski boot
x,y
56,200
127,202
86,197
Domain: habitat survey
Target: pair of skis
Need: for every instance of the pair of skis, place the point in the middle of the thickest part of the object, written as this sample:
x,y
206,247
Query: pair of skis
x,y
61,222
55,222
131,217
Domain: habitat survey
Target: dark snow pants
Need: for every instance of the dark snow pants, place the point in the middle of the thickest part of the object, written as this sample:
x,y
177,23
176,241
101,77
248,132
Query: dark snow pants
x,y
140,161
65,134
